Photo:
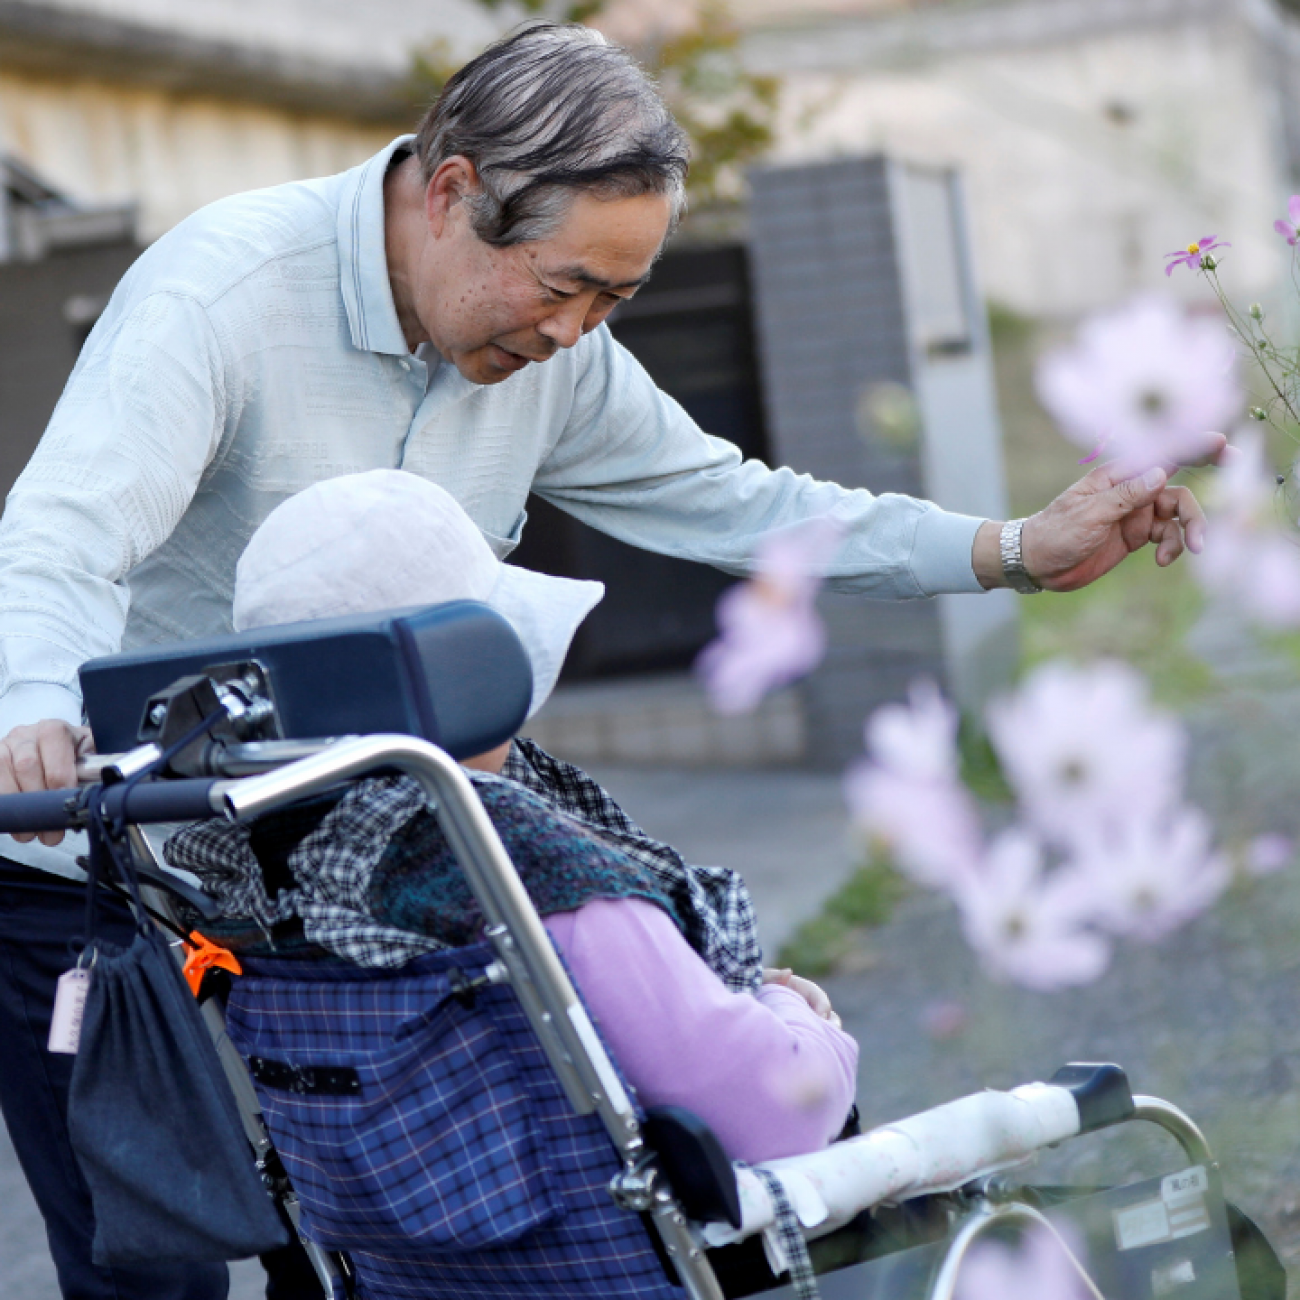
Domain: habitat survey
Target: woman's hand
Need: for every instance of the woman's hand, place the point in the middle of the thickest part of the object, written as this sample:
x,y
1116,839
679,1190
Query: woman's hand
x,y
813,994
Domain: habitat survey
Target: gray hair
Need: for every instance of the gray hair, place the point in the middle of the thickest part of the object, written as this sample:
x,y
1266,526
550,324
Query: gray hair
x,y
547,112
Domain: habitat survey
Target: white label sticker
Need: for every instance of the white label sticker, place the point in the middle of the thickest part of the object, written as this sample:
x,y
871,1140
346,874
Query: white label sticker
x,y
1191,1182
1184,1197
609,1081
69,1008
1141,1225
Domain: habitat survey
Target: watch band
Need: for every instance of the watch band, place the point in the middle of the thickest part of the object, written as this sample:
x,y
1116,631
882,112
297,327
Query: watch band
x,y
1013,564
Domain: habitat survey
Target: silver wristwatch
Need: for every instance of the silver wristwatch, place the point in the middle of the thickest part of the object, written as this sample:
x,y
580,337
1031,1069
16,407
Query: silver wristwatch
x,y
1013,564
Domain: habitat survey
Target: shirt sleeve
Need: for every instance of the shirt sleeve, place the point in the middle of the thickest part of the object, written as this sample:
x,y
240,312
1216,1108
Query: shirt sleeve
x,y
766,1074
141,417
632,463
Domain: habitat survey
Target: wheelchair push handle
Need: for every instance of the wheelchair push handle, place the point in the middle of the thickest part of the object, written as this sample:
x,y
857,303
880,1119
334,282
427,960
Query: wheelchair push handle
x,y
150,801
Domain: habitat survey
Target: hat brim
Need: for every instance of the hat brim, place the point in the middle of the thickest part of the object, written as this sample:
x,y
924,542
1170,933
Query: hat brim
x,y
545,611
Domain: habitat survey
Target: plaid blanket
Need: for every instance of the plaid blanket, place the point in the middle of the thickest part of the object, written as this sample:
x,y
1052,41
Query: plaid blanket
x,y
370,879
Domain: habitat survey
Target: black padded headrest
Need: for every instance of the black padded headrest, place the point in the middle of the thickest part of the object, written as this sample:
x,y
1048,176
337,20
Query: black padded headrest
x,y
455,674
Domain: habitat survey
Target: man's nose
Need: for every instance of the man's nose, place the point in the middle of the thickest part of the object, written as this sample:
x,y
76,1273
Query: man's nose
x,y
564,326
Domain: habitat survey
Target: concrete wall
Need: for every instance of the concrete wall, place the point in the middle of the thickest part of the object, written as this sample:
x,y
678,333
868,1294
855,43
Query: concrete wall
x,y
173,105
101,141
1093,136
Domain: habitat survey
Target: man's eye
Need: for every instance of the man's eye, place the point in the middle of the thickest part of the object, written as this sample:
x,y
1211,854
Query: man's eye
x,y
558,294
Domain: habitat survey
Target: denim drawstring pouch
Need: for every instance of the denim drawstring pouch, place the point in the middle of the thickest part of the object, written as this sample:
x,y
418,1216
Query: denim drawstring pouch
x,y
151,1117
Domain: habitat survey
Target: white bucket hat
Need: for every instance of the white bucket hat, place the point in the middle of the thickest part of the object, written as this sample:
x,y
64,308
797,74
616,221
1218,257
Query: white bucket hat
x,y
387,539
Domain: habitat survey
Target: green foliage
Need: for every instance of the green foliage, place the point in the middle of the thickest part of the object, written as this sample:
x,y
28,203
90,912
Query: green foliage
x,y
866,900
728,113
980,770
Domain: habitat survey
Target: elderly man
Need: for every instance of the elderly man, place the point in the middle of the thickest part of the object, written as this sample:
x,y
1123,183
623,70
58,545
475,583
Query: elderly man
x,y
438,309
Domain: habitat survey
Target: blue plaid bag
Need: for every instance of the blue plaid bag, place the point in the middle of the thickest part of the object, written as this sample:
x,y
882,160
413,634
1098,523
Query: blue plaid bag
x,y
423,1139
313,1012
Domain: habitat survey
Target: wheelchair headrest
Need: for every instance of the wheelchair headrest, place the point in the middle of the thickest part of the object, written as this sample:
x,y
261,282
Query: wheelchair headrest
x,y
455,674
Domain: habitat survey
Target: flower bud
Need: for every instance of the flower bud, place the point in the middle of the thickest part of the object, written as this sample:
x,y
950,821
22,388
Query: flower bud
x,y
1256,311
1209,262
1258,413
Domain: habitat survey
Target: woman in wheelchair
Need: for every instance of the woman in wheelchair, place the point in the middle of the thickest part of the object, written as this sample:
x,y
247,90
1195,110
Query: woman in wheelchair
x,y
374,882
664,954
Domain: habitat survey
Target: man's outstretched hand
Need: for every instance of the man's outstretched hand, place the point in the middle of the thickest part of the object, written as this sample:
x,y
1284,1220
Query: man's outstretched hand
x,y
42,756
1099,521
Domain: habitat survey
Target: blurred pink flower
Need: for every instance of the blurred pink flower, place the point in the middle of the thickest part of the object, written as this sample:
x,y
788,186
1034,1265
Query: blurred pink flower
x,y
1255,569
1149,877
1083,748
1146,381
908,793
1245,486
918,738
1268,853
769,632
1039,1270
930,826
943,1019
1249,559
1290,229
1026,925
1191,255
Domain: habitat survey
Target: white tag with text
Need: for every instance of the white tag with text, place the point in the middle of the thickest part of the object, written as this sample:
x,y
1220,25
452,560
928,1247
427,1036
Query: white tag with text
x,y
69,1008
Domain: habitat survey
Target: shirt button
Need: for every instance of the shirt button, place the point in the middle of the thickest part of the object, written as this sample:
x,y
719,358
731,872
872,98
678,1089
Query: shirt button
x,y
406,365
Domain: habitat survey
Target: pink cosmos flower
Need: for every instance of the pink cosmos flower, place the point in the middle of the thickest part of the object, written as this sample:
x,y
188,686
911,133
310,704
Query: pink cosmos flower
x,y
1249,560
1191,255
769,632
1257,570
1244,487
918,738
1039,1270
1147,382
1151,876
943,1019
1269,853
1029,926
908,793
931,828
1083,748
1290,229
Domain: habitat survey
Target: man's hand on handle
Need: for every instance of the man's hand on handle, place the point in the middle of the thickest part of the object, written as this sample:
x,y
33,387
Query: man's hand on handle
x,y
1099,521
42,756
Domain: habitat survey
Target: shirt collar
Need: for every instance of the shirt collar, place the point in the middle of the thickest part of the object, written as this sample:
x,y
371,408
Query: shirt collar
x,y
363,263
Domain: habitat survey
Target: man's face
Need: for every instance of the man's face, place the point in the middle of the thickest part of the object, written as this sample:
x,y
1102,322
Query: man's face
x,y
493,311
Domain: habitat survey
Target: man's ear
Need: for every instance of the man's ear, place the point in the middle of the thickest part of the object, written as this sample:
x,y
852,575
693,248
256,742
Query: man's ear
x,y
455,178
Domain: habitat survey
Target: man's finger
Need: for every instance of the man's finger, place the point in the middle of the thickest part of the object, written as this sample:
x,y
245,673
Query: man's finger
x,y
1192,517
58,753
1136,528
9,784
1168,537
1132,494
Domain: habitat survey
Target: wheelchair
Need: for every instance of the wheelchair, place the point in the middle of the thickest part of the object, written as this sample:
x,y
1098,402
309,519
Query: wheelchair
x,y
456,1127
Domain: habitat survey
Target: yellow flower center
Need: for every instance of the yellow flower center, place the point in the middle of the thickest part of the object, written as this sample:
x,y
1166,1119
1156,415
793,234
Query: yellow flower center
x,y
1193,249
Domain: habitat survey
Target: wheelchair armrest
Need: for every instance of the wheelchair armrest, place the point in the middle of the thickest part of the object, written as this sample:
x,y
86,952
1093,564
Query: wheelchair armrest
x,y
698,1170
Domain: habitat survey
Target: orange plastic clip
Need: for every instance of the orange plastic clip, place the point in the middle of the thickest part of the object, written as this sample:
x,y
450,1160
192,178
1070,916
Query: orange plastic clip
x,y
201,955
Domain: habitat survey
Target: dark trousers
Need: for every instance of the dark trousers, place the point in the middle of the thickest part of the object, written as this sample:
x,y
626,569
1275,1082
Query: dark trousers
x,y
39,914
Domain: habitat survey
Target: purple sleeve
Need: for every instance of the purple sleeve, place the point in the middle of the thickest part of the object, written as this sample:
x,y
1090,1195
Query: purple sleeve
x,y
766,1074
